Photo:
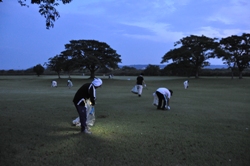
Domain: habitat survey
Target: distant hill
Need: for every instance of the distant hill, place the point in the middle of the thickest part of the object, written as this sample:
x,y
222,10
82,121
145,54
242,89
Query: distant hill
x,y
142,67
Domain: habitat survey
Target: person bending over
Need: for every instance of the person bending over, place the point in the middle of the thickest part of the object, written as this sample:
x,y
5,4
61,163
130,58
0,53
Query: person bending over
x,y
85,92
163,95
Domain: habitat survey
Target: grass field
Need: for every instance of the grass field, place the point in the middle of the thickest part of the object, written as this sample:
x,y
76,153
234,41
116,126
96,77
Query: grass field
x,y
208,124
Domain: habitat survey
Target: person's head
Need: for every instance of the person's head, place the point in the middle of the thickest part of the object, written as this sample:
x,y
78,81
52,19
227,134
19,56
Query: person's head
x,y
97,82
141,74
171,92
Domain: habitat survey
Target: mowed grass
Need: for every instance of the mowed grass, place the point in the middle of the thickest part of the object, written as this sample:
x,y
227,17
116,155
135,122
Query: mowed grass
x,y
208,124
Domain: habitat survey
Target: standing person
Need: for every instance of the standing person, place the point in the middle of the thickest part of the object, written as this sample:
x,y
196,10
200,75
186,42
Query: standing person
x,y
69,83
87,91
139,82
186,84
164,95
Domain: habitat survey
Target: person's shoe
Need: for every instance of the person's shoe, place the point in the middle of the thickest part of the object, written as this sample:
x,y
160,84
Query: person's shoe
x,y
139,95
159,108
86,131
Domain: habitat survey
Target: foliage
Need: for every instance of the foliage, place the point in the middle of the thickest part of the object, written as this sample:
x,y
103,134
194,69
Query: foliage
x,y
235,51
56,64
92,55
47,9
38,69
128,68
178,69
193,52
152,70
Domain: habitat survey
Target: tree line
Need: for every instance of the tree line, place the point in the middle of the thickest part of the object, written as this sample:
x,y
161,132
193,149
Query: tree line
x,y
195,51
150,70
190,55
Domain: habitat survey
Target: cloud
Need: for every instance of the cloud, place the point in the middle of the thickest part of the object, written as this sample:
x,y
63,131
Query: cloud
x,y
157,32
233,12
218,32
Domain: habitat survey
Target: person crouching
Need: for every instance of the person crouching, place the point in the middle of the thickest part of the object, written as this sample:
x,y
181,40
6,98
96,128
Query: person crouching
x,y
186,84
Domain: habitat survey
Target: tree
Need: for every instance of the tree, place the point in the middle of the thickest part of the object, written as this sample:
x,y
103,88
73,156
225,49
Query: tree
x,y
128,68
92,55
152,70
193,52
69,66
46,9
38,69
180,69
56,64
235,51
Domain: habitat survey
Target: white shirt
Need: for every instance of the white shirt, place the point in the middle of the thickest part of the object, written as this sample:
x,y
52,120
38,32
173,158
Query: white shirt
x,y
54,83
165,92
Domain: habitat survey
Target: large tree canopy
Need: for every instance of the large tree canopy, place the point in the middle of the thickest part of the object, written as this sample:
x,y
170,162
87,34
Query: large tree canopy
x,y
46,9
38,69
193,52
152,70
56,64
235,51
92,55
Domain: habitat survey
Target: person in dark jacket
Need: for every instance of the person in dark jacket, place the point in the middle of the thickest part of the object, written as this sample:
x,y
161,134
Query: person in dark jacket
x,y
86,92
140,82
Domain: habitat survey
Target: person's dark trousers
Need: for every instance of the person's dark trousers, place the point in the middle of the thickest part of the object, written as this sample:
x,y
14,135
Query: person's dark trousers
x,y
83,116
160,99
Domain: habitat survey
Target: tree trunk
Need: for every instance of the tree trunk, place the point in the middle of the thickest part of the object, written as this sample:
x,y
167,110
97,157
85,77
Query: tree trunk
x,y
232,74
92,74
69,74
58,73
240,75
196,74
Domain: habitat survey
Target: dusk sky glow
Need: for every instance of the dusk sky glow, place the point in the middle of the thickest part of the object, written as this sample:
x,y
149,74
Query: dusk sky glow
x,y
141,31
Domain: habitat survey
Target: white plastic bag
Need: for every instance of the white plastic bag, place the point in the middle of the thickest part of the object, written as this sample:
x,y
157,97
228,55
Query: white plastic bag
x,y
134,89
155,99
90,116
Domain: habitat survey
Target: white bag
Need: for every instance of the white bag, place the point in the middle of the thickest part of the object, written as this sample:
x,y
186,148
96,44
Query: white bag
x,y
134,89
155,100
90,116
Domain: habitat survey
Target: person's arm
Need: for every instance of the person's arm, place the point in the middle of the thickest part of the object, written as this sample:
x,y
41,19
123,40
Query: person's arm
x,y
92,95
168,94
168,100
144,83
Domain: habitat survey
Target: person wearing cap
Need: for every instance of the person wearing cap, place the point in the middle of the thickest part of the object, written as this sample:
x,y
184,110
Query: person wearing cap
x,y
163,95
139,82
86,92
